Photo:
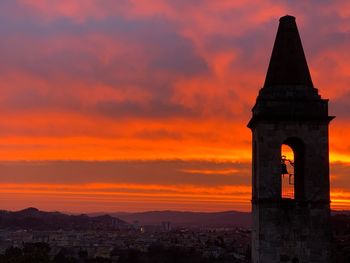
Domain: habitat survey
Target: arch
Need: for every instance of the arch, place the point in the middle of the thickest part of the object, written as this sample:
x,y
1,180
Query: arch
x,y
298,147
287,172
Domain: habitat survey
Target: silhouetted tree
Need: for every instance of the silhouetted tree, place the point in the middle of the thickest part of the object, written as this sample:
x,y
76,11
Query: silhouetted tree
x,y
31,253
63,257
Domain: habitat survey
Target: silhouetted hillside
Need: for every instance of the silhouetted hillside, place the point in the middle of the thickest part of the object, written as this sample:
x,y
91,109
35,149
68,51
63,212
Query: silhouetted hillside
x,y
177,218
32,218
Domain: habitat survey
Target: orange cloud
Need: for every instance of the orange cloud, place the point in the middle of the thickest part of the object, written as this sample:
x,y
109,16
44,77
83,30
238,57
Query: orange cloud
x,y
140,196
134,80
224,171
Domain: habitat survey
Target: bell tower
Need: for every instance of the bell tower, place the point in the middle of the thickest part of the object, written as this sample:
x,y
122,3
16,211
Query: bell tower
x,y
289,112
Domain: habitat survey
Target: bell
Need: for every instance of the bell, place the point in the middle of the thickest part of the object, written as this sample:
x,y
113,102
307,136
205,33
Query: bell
x,y
284,168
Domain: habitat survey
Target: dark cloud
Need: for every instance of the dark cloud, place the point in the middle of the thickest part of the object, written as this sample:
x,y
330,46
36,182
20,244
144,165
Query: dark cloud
x,y
173,172
159,134
24,46
155,109
30,99
153,56
340,173
341,106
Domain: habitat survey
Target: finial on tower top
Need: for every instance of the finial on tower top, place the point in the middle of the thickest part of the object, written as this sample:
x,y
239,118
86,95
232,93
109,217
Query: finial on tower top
x,y
288,64
287,18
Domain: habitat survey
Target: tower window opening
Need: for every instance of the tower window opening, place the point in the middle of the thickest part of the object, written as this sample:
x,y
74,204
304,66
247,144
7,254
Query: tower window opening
x,y
287,172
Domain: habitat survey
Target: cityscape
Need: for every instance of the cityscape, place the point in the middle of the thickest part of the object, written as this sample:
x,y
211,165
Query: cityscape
x,y
109,239
24,237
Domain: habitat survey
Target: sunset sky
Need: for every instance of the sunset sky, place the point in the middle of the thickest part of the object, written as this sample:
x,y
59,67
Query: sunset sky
x,y
134,105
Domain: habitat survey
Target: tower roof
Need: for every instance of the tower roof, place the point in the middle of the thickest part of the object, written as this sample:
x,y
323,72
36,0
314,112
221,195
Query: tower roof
x,y
288,94
288,64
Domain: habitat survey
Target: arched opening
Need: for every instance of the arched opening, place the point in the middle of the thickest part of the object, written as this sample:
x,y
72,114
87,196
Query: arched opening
x,y
287,172
292,172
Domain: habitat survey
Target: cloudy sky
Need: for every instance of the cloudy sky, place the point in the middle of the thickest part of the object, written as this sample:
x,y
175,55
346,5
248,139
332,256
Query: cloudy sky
x,y
130,105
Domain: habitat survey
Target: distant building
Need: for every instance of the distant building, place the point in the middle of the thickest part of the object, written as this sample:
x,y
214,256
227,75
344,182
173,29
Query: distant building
x,y
289,111
136,225
166,226
41,236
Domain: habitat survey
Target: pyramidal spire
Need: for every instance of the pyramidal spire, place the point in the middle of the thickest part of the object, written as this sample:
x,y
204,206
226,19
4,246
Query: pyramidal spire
x,y
288,64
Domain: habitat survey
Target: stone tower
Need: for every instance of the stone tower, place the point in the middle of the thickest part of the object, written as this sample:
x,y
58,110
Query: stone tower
x,y
289,111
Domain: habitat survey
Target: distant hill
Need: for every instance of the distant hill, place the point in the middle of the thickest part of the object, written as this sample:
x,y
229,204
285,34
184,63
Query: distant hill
x,y
193,219
188,219
32,218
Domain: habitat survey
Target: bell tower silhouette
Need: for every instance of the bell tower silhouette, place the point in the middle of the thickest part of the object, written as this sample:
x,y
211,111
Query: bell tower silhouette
x,y
289,111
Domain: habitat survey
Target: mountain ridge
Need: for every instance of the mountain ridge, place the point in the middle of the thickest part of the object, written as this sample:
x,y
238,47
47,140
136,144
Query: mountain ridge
x,y
187,218
34,219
